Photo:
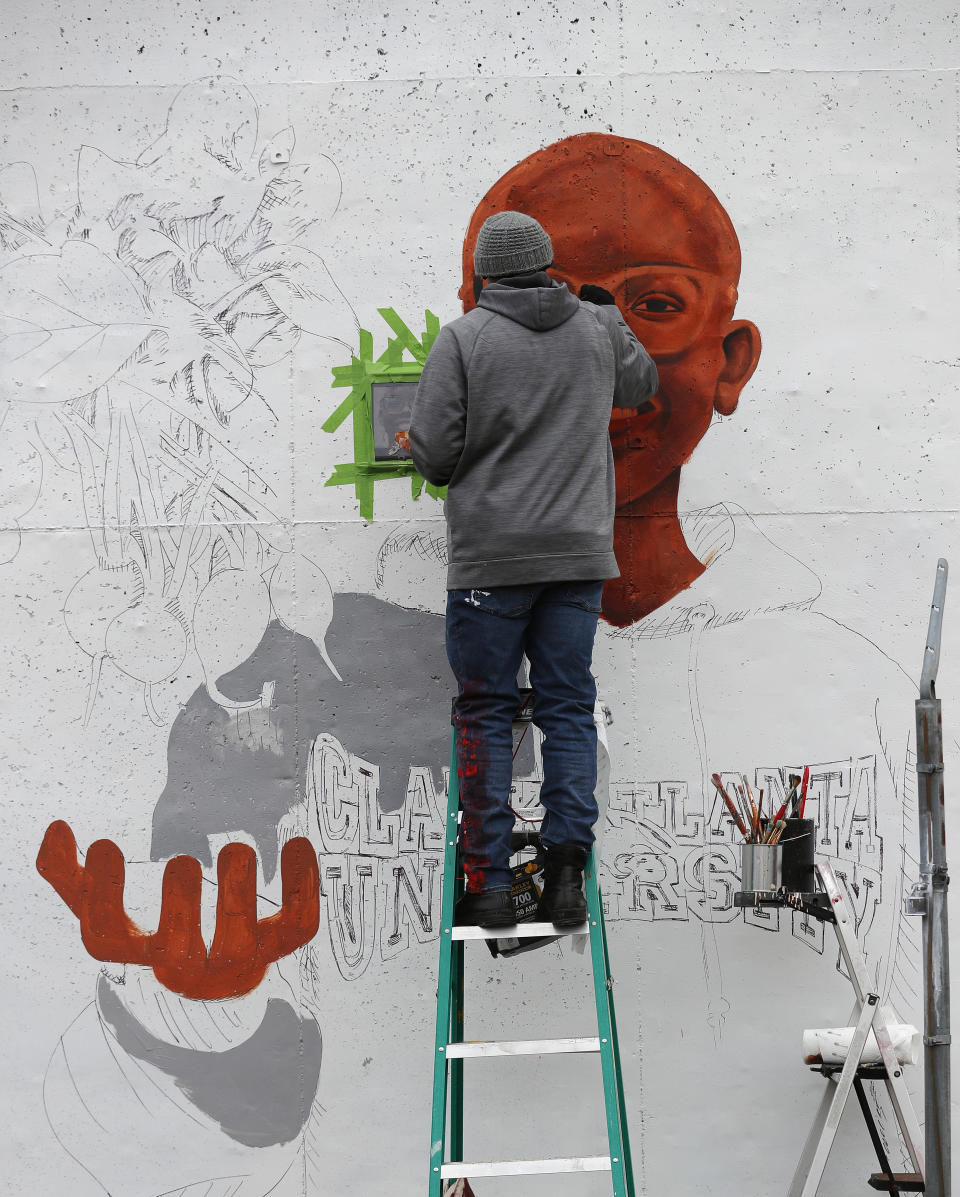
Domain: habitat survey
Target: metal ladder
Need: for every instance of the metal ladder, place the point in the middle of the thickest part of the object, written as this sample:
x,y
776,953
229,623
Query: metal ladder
x,y
451,1050
868,1014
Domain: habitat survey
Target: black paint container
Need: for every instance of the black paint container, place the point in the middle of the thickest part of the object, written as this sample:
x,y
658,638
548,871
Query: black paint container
x,y
797,842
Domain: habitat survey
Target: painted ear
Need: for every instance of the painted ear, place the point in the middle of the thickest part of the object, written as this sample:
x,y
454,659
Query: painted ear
x,y
741,349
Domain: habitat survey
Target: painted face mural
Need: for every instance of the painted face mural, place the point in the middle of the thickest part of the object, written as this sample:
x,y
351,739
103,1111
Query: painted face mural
x,y
324,752
627,217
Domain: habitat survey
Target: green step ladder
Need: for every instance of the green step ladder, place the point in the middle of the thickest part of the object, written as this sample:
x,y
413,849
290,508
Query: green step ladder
x,y
451,1050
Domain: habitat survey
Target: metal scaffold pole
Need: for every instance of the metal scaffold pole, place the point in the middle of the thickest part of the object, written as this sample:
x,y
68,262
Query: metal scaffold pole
x,y
929,899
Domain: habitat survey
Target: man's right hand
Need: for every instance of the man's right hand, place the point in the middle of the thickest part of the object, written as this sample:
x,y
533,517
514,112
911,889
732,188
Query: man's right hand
x,y
597,295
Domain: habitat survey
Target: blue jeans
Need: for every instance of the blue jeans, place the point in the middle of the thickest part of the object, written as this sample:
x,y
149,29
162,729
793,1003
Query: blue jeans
x,y
488,632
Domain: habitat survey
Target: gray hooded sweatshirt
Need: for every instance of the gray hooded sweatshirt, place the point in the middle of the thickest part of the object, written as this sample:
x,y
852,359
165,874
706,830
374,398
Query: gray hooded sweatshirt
x,y
512,415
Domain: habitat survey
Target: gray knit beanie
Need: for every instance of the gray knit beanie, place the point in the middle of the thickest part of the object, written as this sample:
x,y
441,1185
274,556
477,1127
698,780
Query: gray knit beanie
x,y
511,243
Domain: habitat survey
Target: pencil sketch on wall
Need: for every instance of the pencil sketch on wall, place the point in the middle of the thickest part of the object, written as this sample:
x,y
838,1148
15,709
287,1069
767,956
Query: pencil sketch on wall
x,y
139,331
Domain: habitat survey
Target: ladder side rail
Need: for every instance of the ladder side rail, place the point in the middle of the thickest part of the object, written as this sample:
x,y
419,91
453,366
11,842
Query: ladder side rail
x,y
878,1146
812,1139
457,1009
857,970
605,1030
615,1040
444,980
846,932
907,1117
807,1186
456,1036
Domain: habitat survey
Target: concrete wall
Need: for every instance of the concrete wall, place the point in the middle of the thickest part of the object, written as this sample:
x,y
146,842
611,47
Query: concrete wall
x,y
204,645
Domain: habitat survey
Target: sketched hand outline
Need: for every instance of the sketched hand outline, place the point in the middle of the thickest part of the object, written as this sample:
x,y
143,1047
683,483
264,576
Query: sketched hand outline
x,y
243,947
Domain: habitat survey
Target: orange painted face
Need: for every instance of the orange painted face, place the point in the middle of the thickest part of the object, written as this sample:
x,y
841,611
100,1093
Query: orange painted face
x,y
627,217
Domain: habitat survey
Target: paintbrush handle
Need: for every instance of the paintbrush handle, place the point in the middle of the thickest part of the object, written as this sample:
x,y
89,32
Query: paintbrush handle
x,y
803,789
754,813
777,833
731,806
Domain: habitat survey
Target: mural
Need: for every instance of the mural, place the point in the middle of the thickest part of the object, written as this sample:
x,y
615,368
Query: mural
x,y
139,334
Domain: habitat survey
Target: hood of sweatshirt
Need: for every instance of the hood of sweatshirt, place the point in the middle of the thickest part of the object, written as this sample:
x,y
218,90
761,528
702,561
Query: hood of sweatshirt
x,y
533,300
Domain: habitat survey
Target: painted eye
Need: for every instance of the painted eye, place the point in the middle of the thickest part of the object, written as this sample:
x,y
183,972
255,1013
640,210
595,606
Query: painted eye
x,y
656,304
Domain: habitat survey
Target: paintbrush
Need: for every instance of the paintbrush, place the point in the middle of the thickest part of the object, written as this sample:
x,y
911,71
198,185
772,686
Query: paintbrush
x,y
792,796
803,789
746,809
756,812
731,806
754,818
783,809
777,833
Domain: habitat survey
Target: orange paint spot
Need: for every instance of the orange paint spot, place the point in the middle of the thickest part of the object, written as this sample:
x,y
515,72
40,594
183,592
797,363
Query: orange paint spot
x,y
243,946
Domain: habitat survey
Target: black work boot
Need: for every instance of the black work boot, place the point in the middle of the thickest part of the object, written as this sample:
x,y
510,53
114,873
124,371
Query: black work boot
x,y
562,902
492,908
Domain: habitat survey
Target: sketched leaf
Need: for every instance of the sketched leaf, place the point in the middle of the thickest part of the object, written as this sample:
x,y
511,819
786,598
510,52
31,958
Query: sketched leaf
x,y
299,283
216,115
202,363
212,276
192,333
108,189
20,217
70,321
18,337
19,194
273,345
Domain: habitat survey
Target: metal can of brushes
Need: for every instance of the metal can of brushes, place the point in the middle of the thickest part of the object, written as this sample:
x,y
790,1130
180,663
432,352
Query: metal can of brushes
x,y
761,867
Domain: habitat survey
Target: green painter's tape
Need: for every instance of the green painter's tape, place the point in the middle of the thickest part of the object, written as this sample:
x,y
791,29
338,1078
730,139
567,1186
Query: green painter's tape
x,y
404,336
363,371
333,421
433,328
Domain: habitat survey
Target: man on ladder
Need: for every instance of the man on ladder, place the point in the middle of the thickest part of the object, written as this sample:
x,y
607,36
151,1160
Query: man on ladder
x,y
512,416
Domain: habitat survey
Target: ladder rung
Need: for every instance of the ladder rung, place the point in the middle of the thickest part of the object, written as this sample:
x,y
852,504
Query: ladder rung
x,y
519,931
904,1182
522,1047
579,1163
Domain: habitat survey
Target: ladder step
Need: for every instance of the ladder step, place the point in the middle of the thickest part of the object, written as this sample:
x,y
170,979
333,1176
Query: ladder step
x,y
905,1182
518,931
580,1163
522,1047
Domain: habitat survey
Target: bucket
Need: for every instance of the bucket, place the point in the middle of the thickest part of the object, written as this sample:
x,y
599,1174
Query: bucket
x,y
761,867
797,843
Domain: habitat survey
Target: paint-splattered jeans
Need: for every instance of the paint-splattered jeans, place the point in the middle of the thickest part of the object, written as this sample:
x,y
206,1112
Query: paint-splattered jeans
x,y
488,632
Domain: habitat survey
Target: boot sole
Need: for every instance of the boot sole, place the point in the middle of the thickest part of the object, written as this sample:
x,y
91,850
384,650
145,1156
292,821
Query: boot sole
x,y
566,918
491,922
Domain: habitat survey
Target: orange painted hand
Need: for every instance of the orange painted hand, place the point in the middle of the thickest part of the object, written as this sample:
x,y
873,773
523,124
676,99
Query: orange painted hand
x,y
243,946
